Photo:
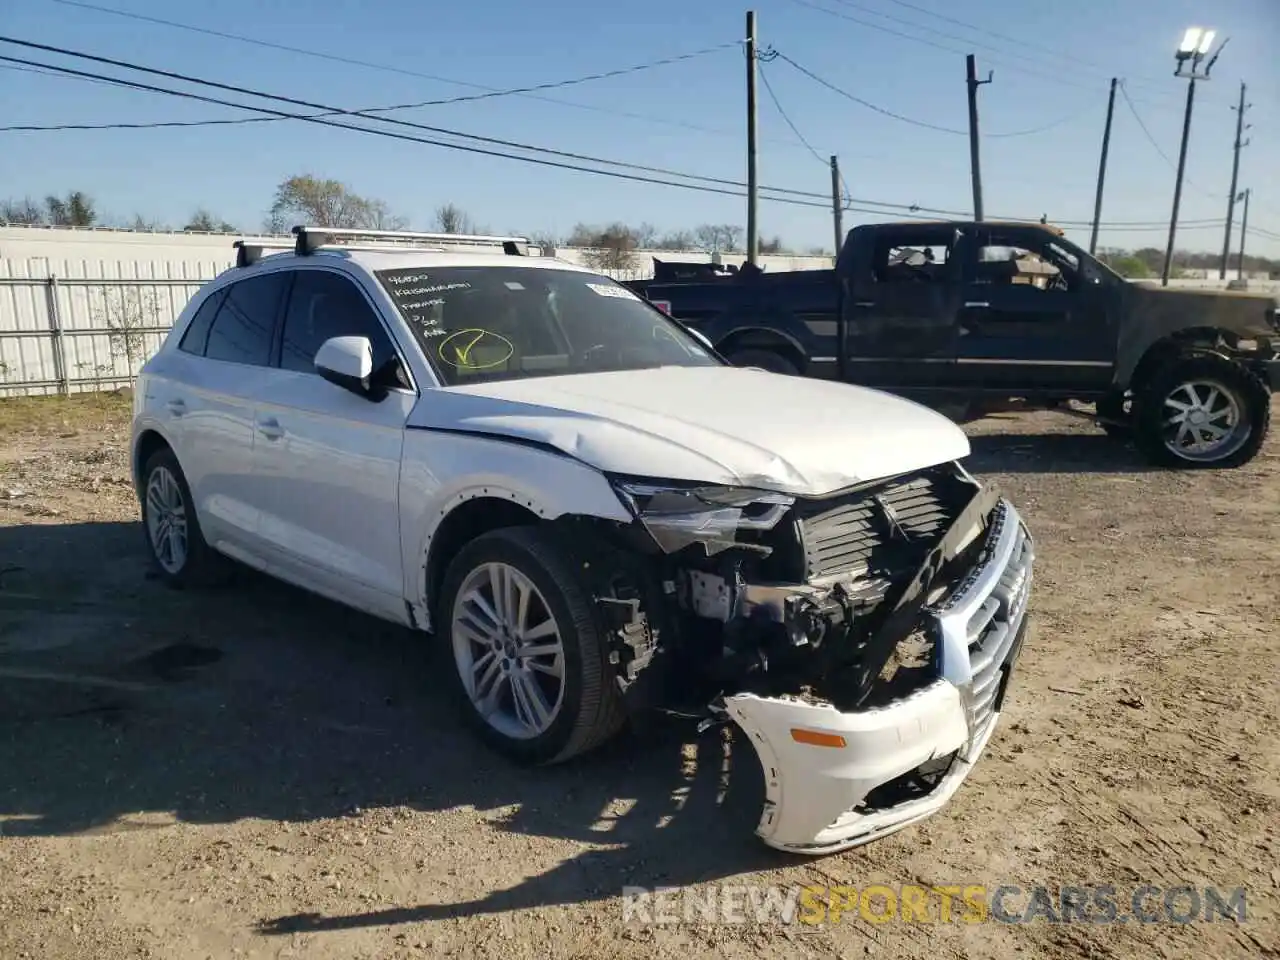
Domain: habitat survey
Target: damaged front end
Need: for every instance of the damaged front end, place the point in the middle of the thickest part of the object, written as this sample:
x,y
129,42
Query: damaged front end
x,y
862,641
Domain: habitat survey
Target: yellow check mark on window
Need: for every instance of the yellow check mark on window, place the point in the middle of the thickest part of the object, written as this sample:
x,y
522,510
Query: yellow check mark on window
x,y
464,353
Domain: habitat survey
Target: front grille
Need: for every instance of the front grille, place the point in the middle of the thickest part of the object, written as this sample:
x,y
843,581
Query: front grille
x,y
993,628
888,529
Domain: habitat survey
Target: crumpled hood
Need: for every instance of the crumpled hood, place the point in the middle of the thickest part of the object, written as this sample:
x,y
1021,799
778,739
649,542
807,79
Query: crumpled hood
x,y
724,425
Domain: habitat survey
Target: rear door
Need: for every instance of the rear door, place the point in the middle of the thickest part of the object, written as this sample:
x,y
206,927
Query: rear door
x,y
220,364
1032,320
328,458
899,303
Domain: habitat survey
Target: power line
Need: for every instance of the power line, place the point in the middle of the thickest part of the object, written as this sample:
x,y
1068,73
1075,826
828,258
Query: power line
x,y
371,65
968,43
795,197
987,31
917,123
1154,143
240,121
326,111
867,103
768,88
802,197
467,148
929,43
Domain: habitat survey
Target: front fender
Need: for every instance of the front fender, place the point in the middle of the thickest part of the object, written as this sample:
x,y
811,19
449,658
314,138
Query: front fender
x,y
443,469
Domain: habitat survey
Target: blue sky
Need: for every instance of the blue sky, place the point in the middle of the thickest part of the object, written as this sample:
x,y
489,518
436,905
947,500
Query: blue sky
x,y
1051,63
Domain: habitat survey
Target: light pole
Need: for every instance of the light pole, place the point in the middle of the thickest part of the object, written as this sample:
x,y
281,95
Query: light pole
x,y
1196,43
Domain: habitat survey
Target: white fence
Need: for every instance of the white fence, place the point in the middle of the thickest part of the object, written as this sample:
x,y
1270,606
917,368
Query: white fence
x,y
85,325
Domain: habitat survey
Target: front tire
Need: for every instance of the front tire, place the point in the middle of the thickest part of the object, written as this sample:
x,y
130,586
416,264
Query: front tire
x,y
529,655
175,542
1202,411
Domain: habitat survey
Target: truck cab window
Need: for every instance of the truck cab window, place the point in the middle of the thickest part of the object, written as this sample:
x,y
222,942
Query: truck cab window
x,y
1044,265
911,260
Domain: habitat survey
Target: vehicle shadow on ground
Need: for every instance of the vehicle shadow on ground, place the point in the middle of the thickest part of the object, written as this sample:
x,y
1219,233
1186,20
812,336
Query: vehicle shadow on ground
x,y
119,696
1053,453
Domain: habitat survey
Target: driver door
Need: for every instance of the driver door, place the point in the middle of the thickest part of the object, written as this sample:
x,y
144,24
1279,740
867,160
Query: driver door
x,y
328,459
1030,321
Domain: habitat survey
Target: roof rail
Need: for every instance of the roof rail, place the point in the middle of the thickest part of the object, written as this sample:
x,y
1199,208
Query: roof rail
x,y
249,252
310,239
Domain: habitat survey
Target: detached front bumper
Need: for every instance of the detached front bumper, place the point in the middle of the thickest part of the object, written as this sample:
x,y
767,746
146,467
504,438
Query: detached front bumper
x,y
860,777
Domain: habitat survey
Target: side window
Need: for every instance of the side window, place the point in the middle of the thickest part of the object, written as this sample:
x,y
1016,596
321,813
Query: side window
x,y
243,328
1025,262
197,334
912,259
323,305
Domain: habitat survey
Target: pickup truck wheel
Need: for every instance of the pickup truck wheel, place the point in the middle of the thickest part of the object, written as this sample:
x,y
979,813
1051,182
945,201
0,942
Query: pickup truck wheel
x,y
1202,411
1113,409
530,657
765,360
175,543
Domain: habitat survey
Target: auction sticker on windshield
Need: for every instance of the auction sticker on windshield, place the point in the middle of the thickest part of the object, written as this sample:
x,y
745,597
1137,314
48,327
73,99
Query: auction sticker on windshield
x,y
609,290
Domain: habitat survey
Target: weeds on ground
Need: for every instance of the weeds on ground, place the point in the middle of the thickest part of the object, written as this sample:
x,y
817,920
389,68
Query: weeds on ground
x,y
58,416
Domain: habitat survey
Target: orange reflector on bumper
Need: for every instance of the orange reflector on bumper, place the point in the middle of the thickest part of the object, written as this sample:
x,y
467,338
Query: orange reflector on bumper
x,y
816,738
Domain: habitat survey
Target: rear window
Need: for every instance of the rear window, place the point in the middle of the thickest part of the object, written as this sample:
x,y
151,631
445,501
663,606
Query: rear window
x,y
486,323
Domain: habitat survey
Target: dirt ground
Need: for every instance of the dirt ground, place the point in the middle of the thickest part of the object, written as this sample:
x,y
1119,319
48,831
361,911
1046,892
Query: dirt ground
x,y
254,772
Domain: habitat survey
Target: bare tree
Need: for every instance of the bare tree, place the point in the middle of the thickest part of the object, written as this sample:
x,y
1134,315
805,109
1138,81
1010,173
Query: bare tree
x,y
76,209
127,311
146,224
25,211
329,203
450,218
773,247
677,240
608,248
202,221
718,237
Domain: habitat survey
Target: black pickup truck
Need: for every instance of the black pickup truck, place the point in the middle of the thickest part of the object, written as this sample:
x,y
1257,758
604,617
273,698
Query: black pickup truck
x,y
971,318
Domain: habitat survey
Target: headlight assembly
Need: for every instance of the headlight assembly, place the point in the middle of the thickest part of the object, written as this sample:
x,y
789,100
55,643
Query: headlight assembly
x,y
677,516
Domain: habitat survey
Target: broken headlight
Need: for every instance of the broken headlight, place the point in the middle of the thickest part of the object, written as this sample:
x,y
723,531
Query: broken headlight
x,y
677,516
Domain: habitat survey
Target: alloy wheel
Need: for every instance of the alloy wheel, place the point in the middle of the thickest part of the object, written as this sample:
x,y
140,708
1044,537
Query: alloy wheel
x,y
1202,421
508,651
167,520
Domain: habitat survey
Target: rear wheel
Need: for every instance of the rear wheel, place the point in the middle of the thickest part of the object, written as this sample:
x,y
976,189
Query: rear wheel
x,y
1202,411
529,655
769,360
175,541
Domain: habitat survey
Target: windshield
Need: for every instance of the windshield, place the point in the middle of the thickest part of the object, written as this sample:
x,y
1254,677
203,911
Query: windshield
x,y
484,324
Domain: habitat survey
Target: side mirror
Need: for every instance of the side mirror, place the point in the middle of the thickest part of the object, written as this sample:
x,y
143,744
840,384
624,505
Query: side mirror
x,y
347,362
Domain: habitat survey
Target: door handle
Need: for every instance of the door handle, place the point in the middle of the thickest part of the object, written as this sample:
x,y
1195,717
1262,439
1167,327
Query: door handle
x,y
976,303
177,406
864,303
270,428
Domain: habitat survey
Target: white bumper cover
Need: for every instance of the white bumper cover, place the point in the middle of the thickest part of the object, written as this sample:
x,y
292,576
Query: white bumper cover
x,y
816,798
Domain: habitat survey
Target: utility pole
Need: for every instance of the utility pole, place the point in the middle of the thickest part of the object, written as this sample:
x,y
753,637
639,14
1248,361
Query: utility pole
x,y
1195,45
1244,229
1102,168
837,204
753,186
1177,186
975,164
1235,174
